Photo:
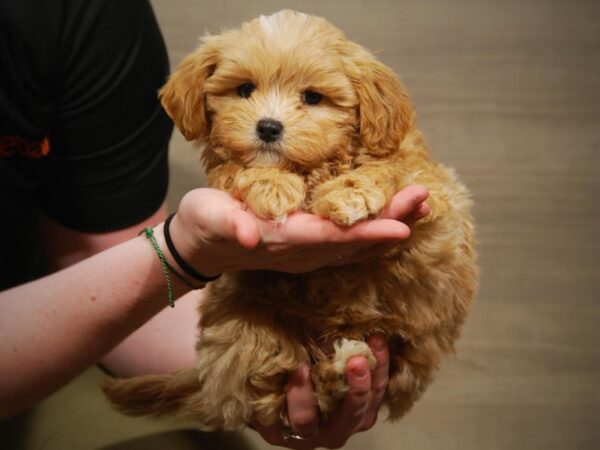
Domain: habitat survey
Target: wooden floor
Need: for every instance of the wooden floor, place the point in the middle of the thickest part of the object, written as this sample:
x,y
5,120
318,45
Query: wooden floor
x,y
508,92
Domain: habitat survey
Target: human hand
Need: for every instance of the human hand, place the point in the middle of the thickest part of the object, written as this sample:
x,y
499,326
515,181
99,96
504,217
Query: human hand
x,y
214,233
358,410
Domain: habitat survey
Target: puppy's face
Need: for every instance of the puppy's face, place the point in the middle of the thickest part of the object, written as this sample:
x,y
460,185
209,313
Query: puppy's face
x,y
275,97
287,90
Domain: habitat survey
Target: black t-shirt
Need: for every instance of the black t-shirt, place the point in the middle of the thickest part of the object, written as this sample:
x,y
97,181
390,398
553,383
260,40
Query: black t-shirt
x,y
80,121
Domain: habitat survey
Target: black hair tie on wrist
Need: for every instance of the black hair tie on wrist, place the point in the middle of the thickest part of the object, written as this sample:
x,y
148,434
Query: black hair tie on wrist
x,y
189,270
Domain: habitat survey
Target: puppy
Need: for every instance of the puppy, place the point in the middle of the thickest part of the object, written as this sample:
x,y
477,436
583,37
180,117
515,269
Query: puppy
x,y
292,116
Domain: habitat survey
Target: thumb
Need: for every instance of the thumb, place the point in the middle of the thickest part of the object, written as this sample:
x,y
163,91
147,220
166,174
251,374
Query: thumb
x,y
405,202
243,228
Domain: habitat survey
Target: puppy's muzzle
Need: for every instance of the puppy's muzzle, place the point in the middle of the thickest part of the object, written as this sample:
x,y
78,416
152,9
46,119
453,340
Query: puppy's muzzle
x,y
269,130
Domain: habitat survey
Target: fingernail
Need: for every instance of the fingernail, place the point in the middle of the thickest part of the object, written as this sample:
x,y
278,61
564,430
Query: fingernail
x,y
298,376
303,373
360,371
424,194
378,343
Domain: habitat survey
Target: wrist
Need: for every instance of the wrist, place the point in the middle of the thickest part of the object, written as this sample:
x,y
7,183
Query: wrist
x,y
183,253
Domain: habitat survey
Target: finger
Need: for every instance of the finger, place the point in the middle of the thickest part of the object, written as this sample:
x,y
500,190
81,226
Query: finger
x,y
243,228
220,216
302,409
358,377
378,230
405,202
352,410
379,379
421,211
308,229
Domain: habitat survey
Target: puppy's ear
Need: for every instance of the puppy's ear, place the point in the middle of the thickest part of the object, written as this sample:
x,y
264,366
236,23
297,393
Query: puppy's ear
x,y
183,95
385,112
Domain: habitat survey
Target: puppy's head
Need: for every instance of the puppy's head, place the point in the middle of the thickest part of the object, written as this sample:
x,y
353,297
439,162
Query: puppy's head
x,y
287,89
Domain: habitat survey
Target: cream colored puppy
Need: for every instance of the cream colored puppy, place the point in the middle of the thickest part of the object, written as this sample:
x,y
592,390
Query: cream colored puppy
x,y
291,115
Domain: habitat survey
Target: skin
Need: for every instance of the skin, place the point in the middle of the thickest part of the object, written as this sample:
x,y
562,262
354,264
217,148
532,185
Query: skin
x,y
358,411
54,328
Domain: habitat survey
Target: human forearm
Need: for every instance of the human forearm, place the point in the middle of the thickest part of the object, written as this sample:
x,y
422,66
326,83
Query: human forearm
x,y
53,328
164,343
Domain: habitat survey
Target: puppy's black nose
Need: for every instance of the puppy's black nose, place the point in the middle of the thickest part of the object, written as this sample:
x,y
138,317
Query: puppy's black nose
x,y
269,130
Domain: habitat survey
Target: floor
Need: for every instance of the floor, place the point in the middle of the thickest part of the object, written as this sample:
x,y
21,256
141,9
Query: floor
x,y
509,94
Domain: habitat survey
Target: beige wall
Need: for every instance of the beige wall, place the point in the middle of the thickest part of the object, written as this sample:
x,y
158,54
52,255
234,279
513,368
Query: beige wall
x,y
508,92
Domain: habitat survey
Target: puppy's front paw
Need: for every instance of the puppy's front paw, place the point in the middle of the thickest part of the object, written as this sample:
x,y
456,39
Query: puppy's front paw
x,y
271,194
347,200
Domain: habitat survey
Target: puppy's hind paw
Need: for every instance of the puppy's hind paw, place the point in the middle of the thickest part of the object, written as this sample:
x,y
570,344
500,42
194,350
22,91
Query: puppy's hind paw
x,y
329,377
349,348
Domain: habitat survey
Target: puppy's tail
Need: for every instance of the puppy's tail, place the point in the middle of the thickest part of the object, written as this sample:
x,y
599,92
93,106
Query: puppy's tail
x,y
155,395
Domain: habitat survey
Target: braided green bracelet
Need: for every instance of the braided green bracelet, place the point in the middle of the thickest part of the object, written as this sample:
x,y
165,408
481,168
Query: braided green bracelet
x,y
163,262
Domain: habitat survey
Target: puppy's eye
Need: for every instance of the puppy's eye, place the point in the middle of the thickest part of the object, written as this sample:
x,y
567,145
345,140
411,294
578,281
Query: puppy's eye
x,y
311,97
245,90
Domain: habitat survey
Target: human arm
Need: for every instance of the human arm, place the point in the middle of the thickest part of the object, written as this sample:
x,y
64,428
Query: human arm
x,y
174,331
171,333
53,328
359,409
233,239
